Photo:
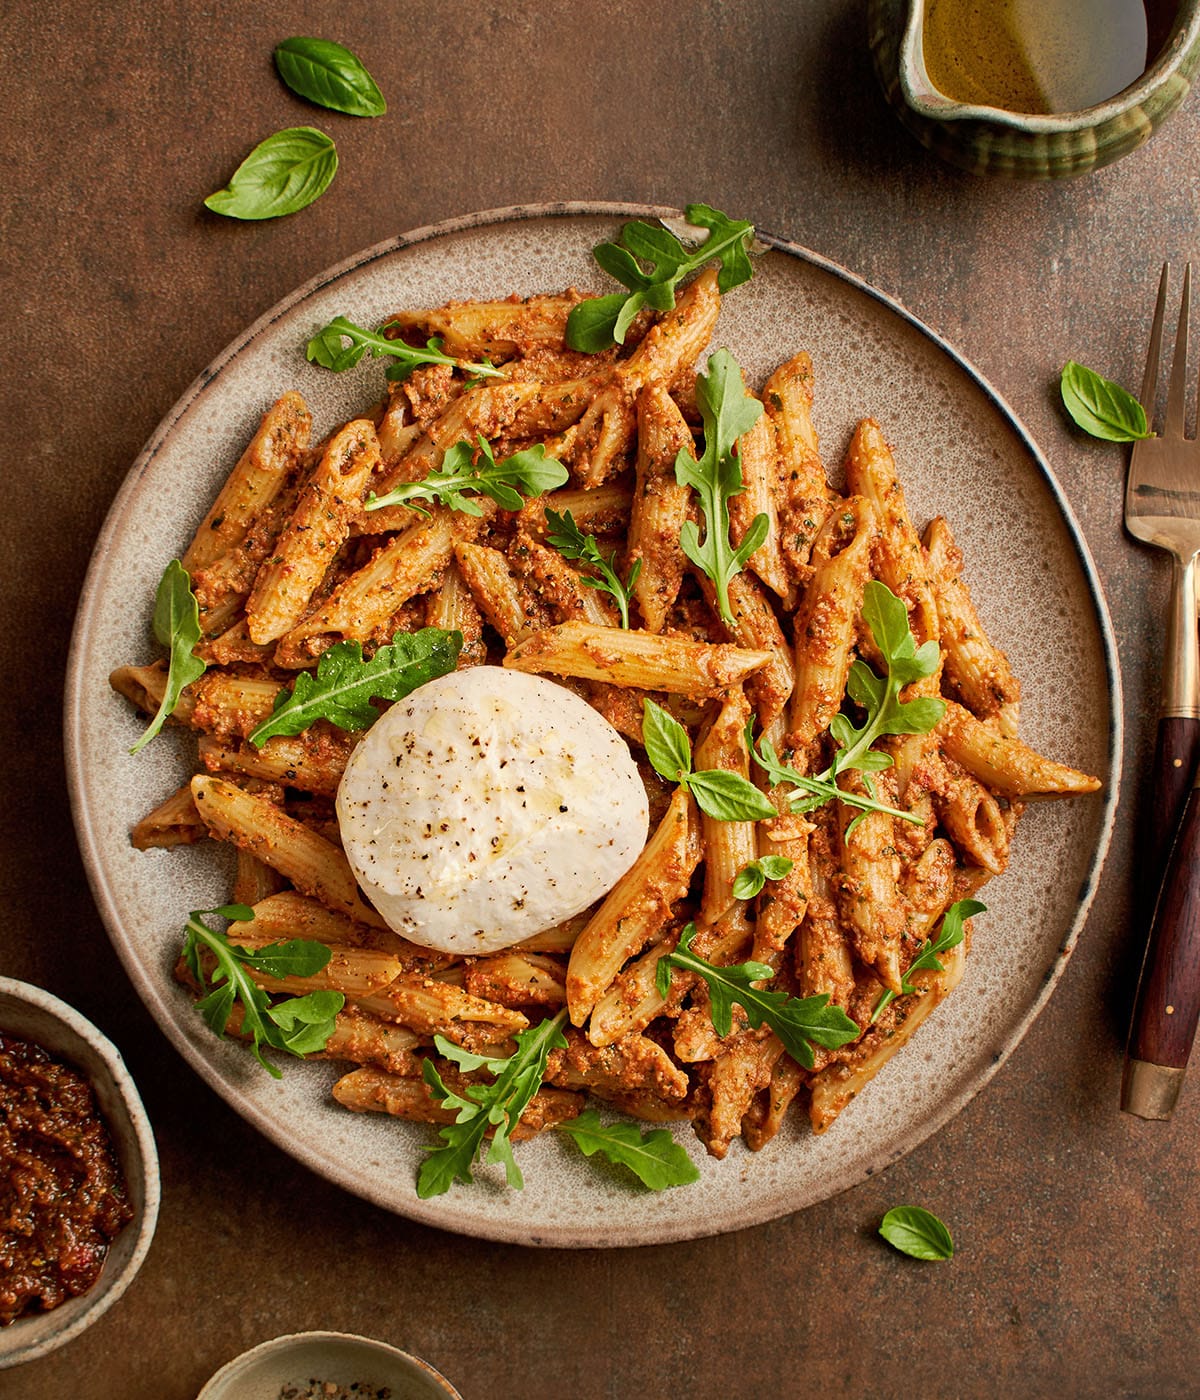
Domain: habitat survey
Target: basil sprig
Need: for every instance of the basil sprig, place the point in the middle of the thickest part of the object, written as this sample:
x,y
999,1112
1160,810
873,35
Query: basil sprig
x,y
726,796
177,627
1100,407
282,174
753,876
329,75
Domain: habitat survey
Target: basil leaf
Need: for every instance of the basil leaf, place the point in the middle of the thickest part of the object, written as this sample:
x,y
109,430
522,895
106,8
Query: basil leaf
x,y
656,1159
177,627
306,1023
282,174
752,877
915,1231
329,75
667,745
591,326
298,957
729,797
1100,407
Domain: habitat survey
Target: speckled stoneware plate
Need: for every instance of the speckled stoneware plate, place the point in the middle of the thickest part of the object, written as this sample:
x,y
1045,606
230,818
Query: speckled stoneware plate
x,y
961,453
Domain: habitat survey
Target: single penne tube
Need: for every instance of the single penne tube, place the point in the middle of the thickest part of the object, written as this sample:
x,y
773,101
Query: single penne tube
x,y
733,1079
254,880
727,846
660,508
824,965
604,510
315,866
498,329
978,670
559,939
973,820
756,627
289,914
635,1063
431,1007
871,910
928,888
833,1087
362,607
637,908
356,972
453,608
371,1090
145,686
558,583
825,622
633,1000
312,762
635,658
366,1040
497,593
806,499
174,822
766,1113
229,705
318,527
759,462
261,471
233,647
517,978
783,903
871,473
1004,765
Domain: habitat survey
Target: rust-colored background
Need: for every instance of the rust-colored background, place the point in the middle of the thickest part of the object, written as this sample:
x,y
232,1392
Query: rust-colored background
x,y
1076,1226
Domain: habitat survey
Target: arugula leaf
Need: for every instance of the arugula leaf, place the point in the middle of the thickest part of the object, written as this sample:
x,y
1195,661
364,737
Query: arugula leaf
x,y
177,627
751,878
344,685
655,1158
952,934
460,472
800,1022
726,796
728,412
886,713
299,1025
915,1231
599,322
572,543
329,75
498,1106
326,349
1100,407
282,174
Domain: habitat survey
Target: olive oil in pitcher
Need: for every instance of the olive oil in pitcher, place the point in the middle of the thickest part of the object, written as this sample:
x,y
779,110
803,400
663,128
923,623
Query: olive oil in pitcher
x,y
1034,56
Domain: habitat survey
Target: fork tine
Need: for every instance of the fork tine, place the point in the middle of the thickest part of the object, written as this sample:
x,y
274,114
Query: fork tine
x,y
1150,378
1176,394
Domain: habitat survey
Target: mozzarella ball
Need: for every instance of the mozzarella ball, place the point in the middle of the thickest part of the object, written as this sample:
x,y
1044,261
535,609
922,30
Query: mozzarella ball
x,y
487,806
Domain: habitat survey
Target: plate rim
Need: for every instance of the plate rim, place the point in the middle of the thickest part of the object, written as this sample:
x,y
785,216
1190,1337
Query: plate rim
x,y
428,1213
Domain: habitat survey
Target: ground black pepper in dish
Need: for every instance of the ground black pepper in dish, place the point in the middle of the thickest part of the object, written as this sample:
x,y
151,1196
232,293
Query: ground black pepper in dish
x,y
62,1196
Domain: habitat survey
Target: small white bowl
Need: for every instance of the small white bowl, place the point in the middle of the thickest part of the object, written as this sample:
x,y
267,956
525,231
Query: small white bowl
x,y
29,1013
333,1357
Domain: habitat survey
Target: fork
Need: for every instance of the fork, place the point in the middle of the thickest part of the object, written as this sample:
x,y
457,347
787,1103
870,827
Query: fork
x,y
1162,508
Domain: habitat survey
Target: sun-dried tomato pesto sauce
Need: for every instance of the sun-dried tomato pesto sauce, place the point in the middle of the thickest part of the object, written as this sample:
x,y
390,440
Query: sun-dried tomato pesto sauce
x,y
62,1196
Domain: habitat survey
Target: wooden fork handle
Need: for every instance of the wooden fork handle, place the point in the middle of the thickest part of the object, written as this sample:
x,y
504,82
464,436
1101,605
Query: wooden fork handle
x,y
1168,998
1176,756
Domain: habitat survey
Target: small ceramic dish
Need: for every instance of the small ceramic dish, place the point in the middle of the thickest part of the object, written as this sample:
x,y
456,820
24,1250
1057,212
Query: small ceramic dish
x,y
988,140
28,1013
307,1362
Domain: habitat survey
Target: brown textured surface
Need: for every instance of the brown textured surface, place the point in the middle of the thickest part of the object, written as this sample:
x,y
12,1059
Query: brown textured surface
x,y
1076,1225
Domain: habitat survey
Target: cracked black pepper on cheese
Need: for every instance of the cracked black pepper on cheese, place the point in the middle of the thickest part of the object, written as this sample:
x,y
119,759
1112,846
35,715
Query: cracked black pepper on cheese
x,y
488,806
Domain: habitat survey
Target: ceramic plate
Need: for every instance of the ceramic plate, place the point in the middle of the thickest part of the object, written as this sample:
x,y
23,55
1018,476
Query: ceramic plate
x,y
961,453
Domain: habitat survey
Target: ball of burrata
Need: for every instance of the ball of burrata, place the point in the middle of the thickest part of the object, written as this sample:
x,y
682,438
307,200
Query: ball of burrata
x,y
487,806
